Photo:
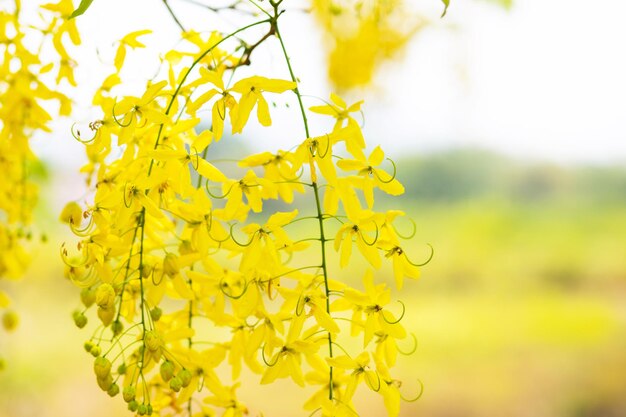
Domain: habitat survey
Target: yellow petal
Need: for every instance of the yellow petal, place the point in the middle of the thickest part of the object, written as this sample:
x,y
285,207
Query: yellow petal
x,y
263,112
207,170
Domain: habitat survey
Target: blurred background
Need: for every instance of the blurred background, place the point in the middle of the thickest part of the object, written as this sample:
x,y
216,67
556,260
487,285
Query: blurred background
x,y
505,120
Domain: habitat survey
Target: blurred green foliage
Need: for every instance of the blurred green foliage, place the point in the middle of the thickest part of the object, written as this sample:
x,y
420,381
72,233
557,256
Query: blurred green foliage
x,y
521,311
470,174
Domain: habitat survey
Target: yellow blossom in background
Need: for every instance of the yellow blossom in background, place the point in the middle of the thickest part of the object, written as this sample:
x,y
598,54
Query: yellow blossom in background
x,y
362,35
30,98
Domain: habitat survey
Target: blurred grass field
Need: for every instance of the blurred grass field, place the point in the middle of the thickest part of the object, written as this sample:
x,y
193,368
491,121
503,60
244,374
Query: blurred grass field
x,y
521,313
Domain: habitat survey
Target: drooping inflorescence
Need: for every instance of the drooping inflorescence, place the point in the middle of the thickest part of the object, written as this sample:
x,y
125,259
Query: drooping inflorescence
x,y
29,99
190,269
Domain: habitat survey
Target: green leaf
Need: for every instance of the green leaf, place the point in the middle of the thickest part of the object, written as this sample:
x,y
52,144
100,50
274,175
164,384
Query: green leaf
x,y
82,8
446,3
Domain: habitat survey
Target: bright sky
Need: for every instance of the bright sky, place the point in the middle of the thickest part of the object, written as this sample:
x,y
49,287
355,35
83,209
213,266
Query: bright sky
x,y
545,80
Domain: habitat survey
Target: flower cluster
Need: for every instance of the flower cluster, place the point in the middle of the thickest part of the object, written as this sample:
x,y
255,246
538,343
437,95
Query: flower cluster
x,y
190,270
363,34
28,96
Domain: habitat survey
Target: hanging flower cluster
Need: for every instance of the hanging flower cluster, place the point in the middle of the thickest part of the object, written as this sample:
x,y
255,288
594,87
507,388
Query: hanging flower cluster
x,y
188,269
28,96
363,34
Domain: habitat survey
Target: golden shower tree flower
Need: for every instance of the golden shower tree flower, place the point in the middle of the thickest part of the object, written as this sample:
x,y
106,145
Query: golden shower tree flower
x,y
128,41
187,280
372,177
251,90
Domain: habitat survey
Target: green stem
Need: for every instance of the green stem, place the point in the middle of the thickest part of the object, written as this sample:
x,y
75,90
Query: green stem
x,y
320,214
126,274
143,228
142,301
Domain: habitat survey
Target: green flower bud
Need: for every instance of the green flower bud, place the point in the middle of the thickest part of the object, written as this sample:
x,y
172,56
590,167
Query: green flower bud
x,y
88,345
10,320
133,405
114,389
80,320
176,384
88,297
156,313
149,409
121,369
185,377
142,410
167,370
117,327
129,394
102,367
105,383
95,351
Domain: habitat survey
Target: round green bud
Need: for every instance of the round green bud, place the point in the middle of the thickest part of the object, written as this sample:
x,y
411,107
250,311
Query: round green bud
x,y
185,377
176,384
117,327
114,389
156,313
102,367
87,297
105,383
133,405
149,409
129,393
121,369
96,351
167,370
88,345
80,320
10,320
142,410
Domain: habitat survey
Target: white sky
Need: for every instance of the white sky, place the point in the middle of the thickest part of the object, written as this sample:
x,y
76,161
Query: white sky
x,y
545,80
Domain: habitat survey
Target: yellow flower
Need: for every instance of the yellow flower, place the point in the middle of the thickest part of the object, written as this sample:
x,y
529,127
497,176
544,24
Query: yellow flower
x,y
360,230
225,104
281,168
72,214
128,41
359,370
402,266
370,303
371,177
287,362
346,124
250,90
